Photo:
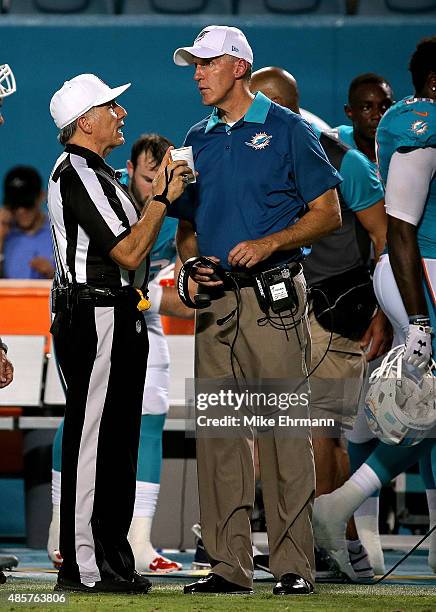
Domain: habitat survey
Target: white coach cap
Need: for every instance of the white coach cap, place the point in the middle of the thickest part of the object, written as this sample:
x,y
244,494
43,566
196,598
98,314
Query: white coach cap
x,y
79,95
214,41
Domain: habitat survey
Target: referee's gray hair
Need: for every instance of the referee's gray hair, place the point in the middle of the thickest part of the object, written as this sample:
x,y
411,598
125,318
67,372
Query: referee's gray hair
x,y
67,132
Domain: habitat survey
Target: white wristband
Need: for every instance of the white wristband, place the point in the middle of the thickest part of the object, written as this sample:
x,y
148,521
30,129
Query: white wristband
x,y
155,296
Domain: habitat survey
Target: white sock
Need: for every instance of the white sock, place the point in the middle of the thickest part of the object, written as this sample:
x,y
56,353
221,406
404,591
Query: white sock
x,y
344,501
139,539
366,479
367,528
146,499
368,508
53,532
56,487
431,501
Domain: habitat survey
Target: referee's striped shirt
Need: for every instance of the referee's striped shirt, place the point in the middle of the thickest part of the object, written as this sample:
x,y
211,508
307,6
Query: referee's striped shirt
x,y
90,213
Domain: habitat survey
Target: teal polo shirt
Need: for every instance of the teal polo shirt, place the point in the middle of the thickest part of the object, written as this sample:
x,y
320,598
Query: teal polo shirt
x,y
255,178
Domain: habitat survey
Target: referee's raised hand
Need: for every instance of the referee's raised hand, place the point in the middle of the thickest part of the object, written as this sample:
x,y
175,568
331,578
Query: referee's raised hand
x,y
171,178
6,370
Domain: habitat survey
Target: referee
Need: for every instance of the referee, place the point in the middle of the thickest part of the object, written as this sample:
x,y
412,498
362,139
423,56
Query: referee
x,y
7,87
101,251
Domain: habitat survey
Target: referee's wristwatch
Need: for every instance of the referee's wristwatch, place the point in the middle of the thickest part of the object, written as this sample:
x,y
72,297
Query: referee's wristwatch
x,y
162,199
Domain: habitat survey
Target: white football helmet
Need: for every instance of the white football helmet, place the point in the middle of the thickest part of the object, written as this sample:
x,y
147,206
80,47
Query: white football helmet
x,y
400,409
7,81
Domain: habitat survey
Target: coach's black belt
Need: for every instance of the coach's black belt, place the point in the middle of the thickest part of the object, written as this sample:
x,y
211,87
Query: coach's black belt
x,y
242,279
246,279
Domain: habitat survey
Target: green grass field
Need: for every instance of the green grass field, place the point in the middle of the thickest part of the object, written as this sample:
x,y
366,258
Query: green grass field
x,y
169,598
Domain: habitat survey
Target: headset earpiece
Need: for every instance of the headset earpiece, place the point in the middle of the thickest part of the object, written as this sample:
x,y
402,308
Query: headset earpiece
x,y
202,300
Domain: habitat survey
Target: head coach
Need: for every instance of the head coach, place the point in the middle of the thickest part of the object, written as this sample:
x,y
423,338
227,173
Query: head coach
x,y
264,189
101,251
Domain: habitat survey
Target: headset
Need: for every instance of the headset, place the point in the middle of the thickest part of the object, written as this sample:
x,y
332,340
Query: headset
x,y
201,300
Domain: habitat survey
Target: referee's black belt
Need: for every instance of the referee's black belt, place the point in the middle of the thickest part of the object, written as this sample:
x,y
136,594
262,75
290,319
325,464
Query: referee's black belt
x,y
105,296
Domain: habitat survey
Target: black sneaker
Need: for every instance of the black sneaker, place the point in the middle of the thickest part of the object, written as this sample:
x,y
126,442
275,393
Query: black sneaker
x,y
2,577
8,561
261,562
327,568
213,583
201,559
139,584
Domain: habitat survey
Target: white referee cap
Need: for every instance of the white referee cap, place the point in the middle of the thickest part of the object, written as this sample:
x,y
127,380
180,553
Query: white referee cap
x,y
214,41
79,95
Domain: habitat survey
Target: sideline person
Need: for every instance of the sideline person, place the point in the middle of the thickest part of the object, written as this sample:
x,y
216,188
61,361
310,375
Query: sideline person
x,y
404,282
101,248
339,266
7,87
265,188
146,156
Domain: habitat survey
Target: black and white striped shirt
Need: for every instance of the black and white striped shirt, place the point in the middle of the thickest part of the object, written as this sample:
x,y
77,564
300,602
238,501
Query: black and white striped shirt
x,y
90,213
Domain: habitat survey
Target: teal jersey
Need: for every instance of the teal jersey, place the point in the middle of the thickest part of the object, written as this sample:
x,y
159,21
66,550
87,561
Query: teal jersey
x,y
346,134
411,124
164,250
361,187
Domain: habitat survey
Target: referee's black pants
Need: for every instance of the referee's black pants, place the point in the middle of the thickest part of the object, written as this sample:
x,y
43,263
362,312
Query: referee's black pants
x,y
102,352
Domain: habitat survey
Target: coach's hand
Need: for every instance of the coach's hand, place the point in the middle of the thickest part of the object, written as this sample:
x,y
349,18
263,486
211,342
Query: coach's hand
x,y
250,252
171,178
205,276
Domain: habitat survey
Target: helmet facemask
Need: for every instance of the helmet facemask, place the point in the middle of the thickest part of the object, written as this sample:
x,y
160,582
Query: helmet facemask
x,y
7,81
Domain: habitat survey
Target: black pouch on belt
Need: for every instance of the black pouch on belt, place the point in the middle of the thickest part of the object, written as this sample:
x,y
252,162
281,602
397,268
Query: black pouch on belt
x,y
351,303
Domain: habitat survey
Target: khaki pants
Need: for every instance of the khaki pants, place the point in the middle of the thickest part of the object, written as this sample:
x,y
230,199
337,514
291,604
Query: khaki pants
x,y
337,383
225,464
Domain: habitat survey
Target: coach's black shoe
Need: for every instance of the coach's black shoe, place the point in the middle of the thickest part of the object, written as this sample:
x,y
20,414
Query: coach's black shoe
x,y
139,584
292,584
216,584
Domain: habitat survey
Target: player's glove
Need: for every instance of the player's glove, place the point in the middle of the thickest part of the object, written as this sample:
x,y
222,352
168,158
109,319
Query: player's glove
x,y
418,343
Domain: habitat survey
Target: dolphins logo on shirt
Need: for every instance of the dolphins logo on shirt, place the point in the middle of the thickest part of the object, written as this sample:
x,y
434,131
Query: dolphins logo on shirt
x,y
419,127
259,141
